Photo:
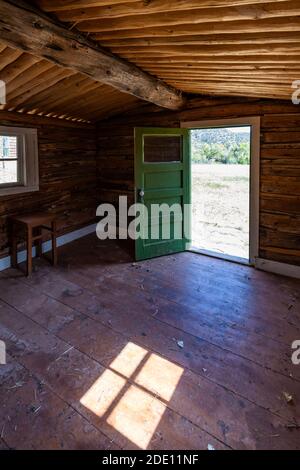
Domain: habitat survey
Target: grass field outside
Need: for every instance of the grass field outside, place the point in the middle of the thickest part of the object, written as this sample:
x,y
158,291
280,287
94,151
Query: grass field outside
x,y
220,208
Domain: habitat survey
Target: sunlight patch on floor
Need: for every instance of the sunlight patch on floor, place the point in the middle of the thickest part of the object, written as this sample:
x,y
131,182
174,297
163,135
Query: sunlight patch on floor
x,y
103,392
129,359
159,376
133,407
137,416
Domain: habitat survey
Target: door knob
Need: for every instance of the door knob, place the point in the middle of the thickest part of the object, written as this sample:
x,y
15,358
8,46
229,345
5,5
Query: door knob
x,y
141,193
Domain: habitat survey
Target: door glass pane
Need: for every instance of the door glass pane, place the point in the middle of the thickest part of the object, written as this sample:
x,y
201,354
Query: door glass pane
x,y
162,149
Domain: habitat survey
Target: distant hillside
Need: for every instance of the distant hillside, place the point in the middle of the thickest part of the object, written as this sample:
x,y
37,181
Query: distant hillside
x,y
220,146
220,136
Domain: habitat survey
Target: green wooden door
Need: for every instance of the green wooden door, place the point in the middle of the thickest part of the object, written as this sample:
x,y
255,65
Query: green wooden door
x,y
162,177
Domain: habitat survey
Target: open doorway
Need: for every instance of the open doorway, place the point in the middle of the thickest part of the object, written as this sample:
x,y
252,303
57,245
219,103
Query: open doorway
x,y
220,159
224,188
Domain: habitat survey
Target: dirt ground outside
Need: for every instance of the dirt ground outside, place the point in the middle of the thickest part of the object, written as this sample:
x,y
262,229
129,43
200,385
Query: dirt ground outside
x,y
220,208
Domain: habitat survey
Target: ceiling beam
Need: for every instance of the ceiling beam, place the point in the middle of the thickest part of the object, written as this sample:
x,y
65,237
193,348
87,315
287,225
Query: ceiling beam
x,y
24,27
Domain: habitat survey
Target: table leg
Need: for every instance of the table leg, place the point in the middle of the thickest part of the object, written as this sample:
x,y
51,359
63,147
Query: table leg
x,y
39,246
14,249
29,251
54,247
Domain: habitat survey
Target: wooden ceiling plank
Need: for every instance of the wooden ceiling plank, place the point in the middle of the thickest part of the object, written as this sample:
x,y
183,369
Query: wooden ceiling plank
x,y
116,10
230,73
30,78
232,79
252,59
229,82
61,5
230,85
282,75
127,103
238,49
33,99
58,91
86,103
251,93
240,79
235,86
26,28
36,121
187,67
18,67
225,27
222,39
75,97
92,100
209,15
8,56
251,90
43,82
105,114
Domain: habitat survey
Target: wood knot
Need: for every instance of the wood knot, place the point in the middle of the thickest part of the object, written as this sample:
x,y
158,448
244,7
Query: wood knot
x,y
54,47
37,25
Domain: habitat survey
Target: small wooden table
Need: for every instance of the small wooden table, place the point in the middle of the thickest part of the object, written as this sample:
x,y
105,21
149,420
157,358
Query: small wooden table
x,y
30,223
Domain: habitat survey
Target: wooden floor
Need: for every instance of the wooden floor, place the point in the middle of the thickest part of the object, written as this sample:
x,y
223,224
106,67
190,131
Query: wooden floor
x,y
179,352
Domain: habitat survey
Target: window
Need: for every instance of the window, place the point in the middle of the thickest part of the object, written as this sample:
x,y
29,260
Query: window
x,y
18,160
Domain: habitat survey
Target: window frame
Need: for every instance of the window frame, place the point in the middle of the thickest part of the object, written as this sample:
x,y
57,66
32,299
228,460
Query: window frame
x,y
27,161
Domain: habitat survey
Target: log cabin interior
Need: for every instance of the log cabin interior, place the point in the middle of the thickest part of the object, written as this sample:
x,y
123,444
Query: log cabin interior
x,y
130,344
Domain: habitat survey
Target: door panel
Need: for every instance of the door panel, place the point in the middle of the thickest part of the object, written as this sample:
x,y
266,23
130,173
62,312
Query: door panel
x,y
157,180
162,176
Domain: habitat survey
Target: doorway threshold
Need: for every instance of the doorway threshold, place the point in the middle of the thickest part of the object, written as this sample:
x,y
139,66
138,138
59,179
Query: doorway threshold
x,y
222,256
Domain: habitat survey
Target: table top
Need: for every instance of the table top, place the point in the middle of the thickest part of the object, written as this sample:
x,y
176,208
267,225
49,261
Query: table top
x,y
35,219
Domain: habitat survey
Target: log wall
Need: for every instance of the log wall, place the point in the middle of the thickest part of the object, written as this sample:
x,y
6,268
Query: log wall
x,y
279,163
67,166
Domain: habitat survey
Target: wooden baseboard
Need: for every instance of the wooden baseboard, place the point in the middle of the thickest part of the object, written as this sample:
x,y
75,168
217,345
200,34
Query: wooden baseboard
x,y
5,263
284,269
260,263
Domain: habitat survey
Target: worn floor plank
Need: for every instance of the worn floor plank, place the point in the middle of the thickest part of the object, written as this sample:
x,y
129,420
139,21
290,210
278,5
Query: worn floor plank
x,y
33,417
80,328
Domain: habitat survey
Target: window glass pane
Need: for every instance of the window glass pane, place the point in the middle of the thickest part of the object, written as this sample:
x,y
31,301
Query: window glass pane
x,y
8,171
8,146
162,149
